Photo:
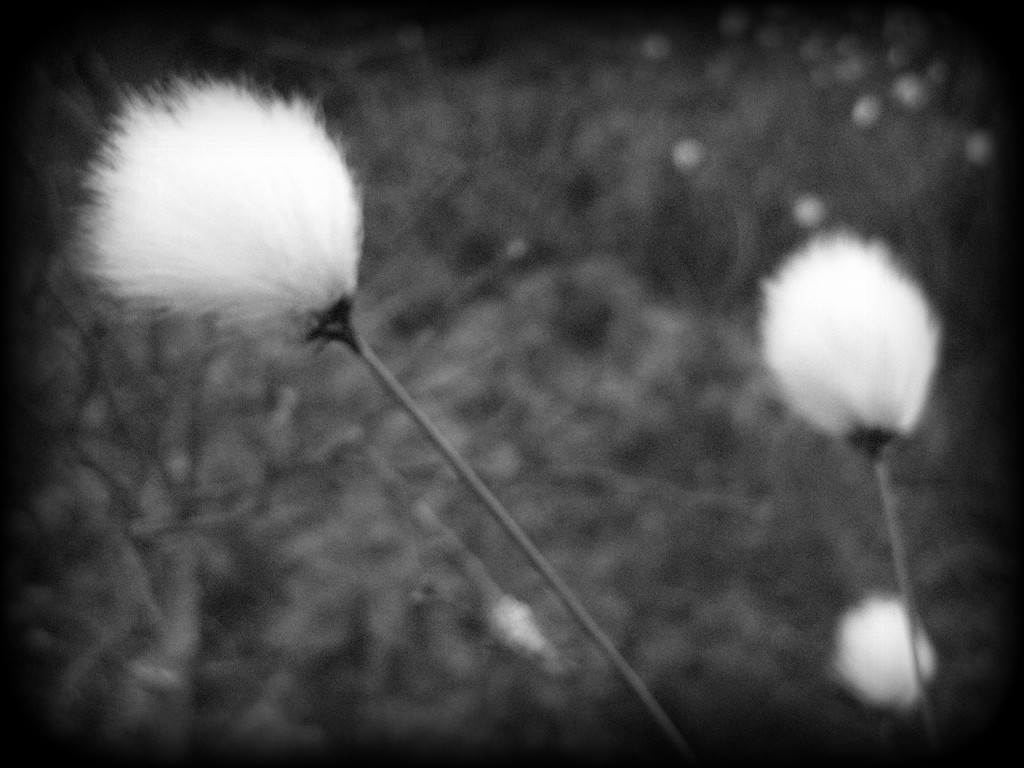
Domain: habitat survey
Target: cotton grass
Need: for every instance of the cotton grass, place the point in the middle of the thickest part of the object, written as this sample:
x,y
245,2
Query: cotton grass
x,y
849,337
211,197
874,657
853,346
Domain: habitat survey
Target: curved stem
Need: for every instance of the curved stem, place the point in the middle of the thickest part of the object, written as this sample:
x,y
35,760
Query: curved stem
x,y
901,564
505,519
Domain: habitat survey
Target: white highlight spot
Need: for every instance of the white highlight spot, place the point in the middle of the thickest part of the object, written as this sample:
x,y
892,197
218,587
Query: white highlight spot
x,y
688,154
867,111
979,147
911,91
809,211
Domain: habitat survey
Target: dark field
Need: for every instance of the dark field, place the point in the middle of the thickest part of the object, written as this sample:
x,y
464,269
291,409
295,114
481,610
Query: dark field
x,y
227,548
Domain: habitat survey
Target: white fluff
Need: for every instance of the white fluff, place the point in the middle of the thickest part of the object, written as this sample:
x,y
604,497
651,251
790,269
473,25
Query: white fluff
x,y
849,338
210,197
874,657
514,624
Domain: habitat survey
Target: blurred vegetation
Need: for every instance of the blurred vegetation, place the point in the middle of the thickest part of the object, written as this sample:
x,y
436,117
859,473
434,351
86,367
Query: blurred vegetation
x,y
212,546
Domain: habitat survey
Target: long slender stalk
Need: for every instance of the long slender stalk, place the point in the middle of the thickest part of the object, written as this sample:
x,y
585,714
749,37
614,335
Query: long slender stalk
x,y
901,565
505,519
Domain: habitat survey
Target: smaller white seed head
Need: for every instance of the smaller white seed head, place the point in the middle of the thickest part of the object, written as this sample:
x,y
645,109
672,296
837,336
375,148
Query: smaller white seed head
x,y
874,657
849,337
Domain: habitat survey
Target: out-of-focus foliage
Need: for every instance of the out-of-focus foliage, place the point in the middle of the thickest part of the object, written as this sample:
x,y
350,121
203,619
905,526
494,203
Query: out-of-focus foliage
x,y
212,540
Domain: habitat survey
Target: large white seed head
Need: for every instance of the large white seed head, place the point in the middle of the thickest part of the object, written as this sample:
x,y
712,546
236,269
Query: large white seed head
x,y
210,197
874,658
849,337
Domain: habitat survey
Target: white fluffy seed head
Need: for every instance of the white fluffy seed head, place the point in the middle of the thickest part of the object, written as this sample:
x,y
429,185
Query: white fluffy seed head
x,y
874,657
849,337
209,197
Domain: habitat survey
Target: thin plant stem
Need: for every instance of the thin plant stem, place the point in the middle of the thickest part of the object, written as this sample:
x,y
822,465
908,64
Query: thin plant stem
x,y
901,565
505,519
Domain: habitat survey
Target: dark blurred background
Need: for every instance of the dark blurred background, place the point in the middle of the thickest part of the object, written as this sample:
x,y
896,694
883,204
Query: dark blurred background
x,y
219,547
